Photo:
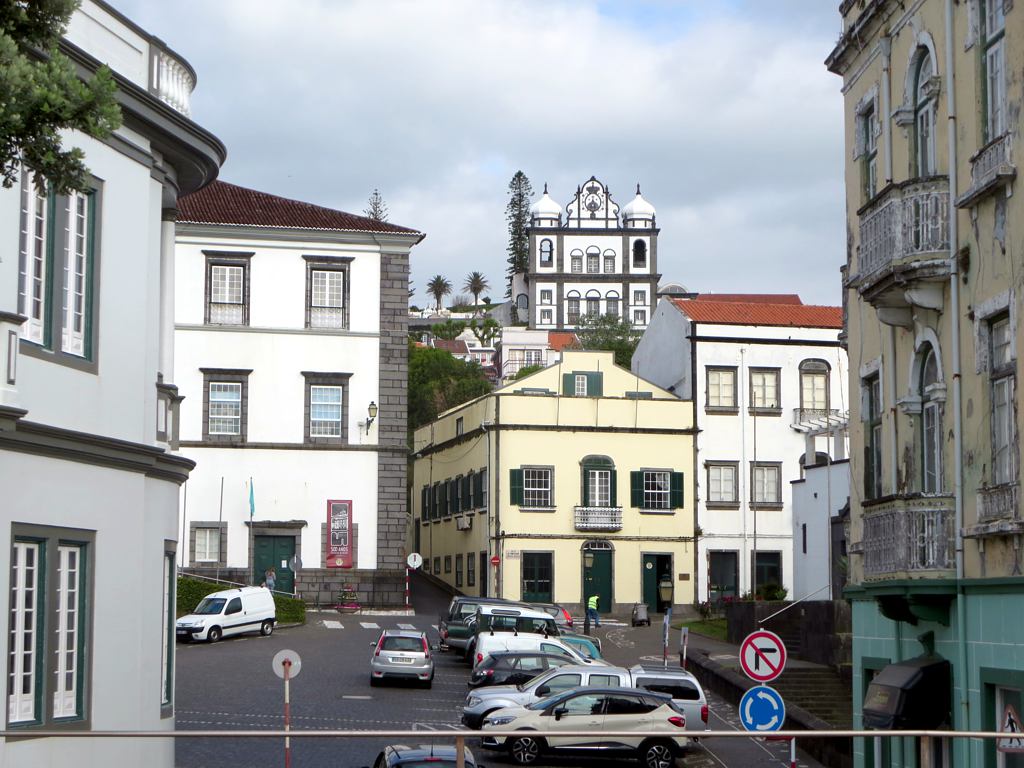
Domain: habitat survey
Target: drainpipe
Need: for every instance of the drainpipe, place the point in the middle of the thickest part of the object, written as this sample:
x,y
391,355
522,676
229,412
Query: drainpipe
x,y
958,471
886,47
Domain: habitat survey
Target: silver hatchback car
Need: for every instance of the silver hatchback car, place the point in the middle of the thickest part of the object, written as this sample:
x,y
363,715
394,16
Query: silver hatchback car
x,y
402,655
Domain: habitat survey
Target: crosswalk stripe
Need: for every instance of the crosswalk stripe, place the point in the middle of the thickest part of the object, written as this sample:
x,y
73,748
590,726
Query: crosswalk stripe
x,y
406,626
331,624
368,625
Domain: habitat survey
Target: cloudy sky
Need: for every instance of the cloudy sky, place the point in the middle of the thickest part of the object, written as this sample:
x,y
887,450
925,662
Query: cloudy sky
x,y
720,109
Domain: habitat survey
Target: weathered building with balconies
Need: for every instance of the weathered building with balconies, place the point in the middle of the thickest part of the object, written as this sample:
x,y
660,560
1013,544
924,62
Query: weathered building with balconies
x,y
932,113
573,481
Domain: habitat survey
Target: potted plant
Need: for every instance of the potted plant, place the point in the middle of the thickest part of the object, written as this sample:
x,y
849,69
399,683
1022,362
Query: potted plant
x,y
348,599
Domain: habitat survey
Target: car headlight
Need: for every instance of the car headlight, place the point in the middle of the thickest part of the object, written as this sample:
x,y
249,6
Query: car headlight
x,y
472,701
500,720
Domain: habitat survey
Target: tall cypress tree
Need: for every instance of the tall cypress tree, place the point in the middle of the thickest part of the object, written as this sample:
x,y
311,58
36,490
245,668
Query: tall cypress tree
x,y
517,212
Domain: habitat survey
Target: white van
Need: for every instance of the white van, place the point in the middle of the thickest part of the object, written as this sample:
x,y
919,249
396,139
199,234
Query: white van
x,y
231,612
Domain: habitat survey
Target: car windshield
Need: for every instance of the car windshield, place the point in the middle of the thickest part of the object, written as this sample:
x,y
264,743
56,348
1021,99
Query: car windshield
x,y
534,680
402,644
210,605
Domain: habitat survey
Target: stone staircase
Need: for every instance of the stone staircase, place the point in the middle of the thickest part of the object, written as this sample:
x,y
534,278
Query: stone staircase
x,y
819,691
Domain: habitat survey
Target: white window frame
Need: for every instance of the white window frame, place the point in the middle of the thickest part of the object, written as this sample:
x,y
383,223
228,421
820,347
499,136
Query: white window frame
x,y
994,27
227,299
764,389
580,385
76,273
766,484
24,638
639,317
327,297
35,246
609,263
224,387
869,158
205,553
815,396
576,263
546,296
657,489
1003,409
716,377
639,297
593,262
168,627
69,631
593,307
599,487
322,423
924,118
546,317
572,311
717,491
538,487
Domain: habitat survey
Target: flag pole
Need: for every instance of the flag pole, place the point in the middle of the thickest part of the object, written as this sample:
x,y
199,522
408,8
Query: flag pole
x,y
252,551
220,520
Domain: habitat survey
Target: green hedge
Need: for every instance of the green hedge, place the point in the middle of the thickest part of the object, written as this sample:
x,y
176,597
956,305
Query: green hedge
x,y
290,610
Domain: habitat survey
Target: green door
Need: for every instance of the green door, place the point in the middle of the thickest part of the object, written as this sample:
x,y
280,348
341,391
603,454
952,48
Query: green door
x,y
537,577
650,581
597,579
275,552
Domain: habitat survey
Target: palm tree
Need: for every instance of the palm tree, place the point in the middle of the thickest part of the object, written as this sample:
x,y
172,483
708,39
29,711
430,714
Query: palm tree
x,y
476,284
438,287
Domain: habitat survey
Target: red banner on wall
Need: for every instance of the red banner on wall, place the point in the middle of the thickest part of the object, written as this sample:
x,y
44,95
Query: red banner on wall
x,y
339,533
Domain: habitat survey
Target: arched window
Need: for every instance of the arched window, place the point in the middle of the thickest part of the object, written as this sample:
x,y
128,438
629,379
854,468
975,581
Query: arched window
x,y
572,307
639,254
814,388
931,425
609,261
611,304
599,487
546,253
522,302
593,303
576,258
924,116
593,260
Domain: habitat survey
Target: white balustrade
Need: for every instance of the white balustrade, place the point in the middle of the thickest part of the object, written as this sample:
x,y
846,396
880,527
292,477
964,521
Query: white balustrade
x,y
598,518
173,83
908,222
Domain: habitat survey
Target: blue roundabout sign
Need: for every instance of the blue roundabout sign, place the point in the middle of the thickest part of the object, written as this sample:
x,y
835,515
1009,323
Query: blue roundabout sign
x,y
762,709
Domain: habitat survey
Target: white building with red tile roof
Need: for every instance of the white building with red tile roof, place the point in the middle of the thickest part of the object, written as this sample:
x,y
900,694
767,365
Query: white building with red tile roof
x,y
769,381
291,331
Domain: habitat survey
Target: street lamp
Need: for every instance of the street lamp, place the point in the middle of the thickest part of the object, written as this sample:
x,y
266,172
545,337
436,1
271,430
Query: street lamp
x,y
371,413
588,559
665,589
588,562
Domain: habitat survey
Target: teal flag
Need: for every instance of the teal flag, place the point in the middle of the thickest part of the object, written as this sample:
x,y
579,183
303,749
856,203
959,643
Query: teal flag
x,y
252,501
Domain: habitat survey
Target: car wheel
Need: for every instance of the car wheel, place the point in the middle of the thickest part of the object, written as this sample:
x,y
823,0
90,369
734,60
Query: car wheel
x,y
214,634
525,750
374,682
267,628
657,754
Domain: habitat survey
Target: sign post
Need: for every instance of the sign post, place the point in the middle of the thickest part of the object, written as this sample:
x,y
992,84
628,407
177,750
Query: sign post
x,y
287,664
664,639
412,562
684,638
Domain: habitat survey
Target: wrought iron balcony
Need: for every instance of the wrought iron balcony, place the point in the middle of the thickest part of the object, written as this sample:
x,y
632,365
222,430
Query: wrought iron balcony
x,y
910,222
598,518
172,79
998,503
908,537
991,168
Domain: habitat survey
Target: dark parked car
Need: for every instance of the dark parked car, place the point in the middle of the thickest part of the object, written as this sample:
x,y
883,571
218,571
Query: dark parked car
x,y
423,756
514,667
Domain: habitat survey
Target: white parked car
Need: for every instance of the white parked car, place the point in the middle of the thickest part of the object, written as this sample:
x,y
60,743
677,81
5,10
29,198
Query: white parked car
x,y
495,642
594,712
230,612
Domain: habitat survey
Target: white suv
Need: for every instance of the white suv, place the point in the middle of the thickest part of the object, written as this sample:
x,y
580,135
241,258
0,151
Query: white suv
x,y
594,711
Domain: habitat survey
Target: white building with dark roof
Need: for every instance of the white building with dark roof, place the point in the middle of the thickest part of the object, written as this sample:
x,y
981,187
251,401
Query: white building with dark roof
x,y
291,327
89,474
590,259
768,380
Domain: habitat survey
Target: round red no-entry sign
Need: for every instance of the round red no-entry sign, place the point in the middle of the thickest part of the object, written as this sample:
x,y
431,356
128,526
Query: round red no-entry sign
x,y
495,560
762,656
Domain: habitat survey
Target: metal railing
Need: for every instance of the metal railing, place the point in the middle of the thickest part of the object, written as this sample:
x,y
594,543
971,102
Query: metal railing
x,y
991,160
998,502
598,518
909,221
907,539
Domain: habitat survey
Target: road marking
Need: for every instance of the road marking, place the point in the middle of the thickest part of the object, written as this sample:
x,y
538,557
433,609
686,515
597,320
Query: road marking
x,y
358,698
331,624
368,625
406,626
434,627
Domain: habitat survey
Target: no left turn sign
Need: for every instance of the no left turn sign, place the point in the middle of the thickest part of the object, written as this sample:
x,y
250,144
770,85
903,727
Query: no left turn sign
x,y
762,656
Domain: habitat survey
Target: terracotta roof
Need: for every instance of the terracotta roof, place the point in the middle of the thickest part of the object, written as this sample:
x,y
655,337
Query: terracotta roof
x,y
223,203
559,340
455,346
752,298
756,313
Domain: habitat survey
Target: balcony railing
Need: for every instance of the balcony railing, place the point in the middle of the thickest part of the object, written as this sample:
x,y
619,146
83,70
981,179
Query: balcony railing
x,y
172,81
907,539
511,367
910,221
997,503
816,417
991,167
598,518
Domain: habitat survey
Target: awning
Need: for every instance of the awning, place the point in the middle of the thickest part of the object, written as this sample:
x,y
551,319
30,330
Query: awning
x,y
910,695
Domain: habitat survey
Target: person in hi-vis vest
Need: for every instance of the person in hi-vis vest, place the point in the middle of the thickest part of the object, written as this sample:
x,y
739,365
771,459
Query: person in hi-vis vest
x,y
592,613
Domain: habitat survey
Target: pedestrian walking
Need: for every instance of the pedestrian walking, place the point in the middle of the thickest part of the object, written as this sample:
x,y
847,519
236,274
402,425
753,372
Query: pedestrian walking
x,y
592,613
270,579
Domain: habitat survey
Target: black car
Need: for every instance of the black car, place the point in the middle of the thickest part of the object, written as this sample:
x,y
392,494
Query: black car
x,y
514,667
422,756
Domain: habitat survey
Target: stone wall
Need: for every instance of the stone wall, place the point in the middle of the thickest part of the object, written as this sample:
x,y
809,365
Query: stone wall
x,y
319,587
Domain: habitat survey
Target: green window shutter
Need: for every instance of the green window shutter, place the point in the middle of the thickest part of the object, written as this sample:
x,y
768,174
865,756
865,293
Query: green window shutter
x,y
434,501
595,384
613,490
478,489
568,384
676,494
425,503
516,486
584,487
636,489
467,486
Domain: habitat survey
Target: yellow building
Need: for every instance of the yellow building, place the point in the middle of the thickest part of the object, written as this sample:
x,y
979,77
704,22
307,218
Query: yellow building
x,y
933,97
573,481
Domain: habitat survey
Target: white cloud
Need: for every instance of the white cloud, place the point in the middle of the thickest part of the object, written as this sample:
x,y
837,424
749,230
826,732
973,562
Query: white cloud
x,y
724,113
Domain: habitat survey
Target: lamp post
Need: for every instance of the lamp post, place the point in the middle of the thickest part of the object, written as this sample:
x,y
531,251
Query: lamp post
x,y
371,415
588,563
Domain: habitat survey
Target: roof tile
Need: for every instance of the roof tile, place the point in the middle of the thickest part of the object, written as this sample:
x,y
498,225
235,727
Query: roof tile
x,y
756,313
752,298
